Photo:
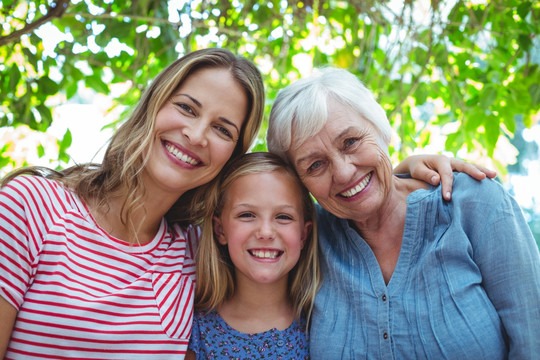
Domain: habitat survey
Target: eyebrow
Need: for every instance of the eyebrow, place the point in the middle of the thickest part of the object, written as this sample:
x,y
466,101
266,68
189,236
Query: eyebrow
x,y
345,133
306,158
338,138
225,120
248,206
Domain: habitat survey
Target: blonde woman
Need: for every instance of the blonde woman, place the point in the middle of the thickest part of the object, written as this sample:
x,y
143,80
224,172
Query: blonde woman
x,y
90,266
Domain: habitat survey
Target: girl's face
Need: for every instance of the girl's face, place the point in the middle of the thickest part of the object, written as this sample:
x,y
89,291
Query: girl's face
x,y
345,166
262,223
195,132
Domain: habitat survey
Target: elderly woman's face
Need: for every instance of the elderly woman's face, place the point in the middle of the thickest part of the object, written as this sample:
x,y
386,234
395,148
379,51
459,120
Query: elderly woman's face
x,y
344,166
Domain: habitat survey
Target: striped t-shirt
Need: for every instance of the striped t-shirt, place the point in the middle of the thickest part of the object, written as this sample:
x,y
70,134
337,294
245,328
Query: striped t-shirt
x,y
82,294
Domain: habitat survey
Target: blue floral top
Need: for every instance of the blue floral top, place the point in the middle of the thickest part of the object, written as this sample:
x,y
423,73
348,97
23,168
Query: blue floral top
x,y
213,338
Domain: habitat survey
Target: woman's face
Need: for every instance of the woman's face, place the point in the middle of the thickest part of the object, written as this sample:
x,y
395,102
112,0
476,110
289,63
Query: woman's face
x,y
344,165
196,132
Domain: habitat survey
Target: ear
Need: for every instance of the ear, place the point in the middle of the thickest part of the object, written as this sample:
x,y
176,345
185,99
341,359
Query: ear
x,y
308,225
218,231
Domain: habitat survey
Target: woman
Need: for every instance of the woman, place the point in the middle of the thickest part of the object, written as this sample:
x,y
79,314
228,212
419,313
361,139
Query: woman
x,y
89,266
406,274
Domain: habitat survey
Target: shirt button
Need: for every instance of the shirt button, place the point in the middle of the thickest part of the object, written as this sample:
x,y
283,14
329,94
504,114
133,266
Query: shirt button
x,y
280,343
385,336
384,297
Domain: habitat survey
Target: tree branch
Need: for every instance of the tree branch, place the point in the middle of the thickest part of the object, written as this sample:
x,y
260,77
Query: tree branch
x,y
56,10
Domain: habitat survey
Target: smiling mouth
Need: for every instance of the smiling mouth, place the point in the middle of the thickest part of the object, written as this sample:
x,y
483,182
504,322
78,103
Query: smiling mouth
x,y
355,190
266,254
180,155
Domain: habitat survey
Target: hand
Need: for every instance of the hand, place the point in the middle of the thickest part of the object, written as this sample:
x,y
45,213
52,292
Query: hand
x,y
438,168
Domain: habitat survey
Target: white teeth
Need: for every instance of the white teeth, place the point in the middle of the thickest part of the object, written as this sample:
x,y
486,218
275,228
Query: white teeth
x,y
180,156
265,254
355,190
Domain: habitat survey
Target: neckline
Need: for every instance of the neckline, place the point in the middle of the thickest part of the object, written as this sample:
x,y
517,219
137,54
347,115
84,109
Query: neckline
x,y
260,335
120,244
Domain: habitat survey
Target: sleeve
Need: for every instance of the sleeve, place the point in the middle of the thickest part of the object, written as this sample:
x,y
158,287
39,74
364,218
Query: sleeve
x,y
509,261
20,240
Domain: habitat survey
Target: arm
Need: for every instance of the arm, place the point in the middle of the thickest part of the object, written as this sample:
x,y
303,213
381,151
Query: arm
x,y
509,261
190,355
15,258
7,318
438,168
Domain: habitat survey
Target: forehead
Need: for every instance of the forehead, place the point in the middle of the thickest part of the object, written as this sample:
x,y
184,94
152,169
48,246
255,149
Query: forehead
x,y
266,184
216,90
205,76
342,121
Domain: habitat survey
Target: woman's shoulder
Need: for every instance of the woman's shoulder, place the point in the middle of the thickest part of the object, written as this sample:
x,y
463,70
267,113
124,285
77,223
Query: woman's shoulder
x,y
39,190
466,188
30,182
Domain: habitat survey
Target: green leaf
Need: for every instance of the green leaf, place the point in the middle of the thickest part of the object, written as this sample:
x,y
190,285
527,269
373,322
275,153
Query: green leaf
x,y
534,91
94,81
66,141
473,119
493,131
525,42
14,77
487,96
46,116
71,89
47,86
523,9
40,150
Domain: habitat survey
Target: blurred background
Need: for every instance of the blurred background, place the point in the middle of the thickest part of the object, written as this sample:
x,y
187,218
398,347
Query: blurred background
x,y
460,78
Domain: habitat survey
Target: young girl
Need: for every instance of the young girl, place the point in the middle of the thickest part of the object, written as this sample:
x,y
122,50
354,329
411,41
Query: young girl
x,y
90,268
257,266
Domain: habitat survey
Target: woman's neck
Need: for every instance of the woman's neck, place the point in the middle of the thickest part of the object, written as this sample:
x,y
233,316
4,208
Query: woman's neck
x,y
256,308
145,220
384,231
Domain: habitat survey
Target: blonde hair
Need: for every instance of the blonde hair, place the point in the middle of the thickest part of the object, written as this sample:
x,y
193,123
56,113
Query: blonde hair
x,y
125,156
301,109
215,270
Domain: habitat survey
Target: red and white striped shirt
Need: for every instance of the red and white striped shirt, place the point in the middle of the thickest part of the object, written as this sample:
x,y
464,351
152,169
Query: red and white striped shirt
x,y
82,294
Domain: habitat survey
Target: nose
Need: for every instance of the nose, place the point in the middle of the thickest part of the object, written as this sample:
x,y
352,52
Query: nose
x,y
195,132
342,170
266,230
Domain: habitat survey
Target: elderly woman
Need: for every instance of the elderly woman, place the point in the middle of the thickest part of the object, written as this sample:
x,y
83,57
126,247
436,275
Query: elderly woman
x,y
406,274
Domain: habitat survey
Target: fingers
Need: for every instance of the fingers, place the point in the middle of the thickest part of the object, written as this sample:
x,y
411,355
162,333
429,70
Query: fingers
x,y
489,173
476,171
447,178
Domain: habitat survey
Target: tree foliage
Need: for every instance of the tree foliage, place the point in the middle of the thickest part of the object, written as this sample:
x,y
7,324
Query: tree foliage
x,y
470,68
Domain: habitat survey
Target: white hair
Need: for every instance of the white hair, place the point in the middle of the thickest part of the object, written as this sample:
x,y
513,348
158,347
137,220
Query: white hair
x,y
301,109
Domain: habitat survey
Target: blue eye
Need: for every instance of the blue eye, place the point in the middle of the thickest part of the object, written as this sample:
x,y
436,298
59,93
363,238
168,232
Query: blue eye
x,y
315,166
350,142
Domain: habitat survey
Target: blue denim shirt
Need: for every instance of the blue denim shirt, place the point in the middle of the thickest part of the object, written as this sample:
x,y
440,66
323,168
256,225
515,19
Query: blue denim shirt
x,y
466,284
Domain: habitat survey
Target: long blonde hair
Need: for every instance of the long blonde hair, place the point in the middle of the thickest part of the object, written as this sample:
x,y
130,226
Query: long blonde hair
x,y
125,156
215,270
